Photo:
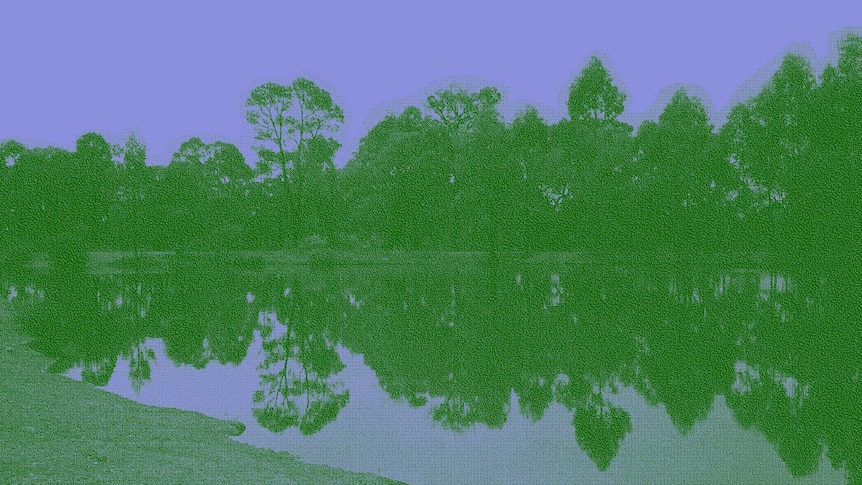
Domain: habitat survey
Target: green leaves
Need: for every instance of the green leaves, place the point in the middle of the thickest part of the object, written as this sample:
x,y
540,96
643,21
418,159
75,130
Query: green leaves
x,y
294,120
92,149
318,114
269,95
460,111
593,95
850,58
134,154
769,134
297,112
217,163
296,382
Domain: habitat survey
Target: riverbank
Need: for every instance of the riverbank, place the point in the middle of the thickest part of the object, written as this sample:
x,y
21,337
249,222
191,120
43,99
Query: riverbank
x,y
57,430
276,261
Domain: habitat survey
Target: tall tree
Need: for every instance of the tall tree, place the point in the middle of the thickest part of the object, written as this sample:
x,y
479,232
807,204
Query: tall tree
x,y
268,111
679,170
831,191
593,94
289,117
376,173
89,188
134,153
461,111
315,117
769,137
130,228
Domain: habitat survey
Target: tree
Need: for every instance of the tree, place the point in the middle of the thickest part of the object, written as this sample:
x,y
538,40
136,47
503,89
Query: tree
x,y
227,164
831,191
593,95
771,129
315,120
92,150
134,154
89,188
531,144
207,184
10,152
268,107
679,170
320,185
769,138
460,111
125,188
290,117
374,175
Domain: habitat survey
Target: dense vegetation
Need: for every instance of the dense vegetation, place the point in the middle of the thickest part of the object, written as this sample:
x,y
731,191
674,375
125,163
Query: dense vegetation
x,y
782,174
459,335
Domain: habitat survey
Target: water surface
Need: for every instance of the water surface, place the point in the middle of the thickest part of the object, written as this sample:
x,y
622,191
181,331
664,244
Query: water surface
x,y
482,370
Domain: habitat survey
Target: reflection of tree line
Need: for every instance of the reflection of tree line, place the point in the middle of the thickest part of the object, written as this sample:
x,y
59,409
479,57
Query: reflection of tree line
x,y
785,352
90,322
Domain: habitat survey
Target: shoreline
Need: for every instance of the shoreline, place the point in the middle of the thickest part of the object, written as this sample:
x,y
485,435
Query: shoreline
x,y
58,430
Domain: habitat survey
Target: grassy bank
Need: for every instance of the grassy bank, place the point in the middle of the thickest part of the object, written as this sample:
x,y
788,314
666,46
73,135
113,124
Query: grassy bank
x,y
57,430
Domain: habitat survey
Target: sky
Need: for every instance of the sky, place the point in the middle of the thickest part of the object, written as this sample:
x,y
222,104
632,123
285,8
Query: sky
x,y
168,71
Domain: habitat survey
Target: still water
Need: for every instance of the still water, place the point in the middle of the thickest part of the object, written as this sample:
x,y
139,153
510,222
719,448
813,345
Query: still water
x,y
478,371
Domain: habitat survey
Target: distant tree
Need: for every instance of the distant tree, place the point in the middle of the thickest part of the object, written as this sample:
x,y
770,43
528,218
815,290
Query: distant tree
x,y
593,94
10,152
769,138
89,189
681,173
268,112
374,176
315,120
227,164
290,117
531,149
683,167
208,184
829,183
134,153
320,185
460,111
92,149
464,170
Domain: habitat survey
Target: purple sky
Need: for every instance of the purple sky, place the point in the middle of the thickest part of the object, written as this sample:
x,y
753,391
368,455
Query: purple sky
x,y
169,72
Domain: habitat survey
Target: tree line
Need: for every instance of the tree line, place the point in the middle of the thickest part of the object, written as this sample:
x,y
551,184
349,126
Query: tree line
x,y
781,174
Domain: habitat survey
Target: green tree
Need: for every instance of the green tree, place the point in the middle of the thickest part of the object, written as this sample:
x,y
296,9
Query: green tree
x,y
829,193
88,188
268,112
593,96
461,111
374,176
769,138
10,153
680,172
289,117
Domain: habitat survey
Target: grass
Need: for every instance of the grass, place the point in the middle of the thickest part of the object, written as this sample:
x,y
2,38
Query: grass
x,y
57,430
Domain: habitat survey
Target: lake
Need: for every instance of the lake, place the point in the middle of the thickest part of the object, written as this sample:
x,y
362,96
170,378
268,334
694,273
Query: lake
x,y
457,369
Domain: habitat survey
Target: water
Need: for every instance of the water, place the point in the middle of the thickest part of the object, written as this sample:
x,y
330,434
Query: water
x,y
487,371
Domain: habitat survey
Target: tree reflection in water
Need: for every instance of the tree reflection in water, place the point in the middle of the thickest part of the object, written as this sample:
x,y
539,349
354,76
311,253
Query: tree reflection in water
x,y
783,348
297,385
